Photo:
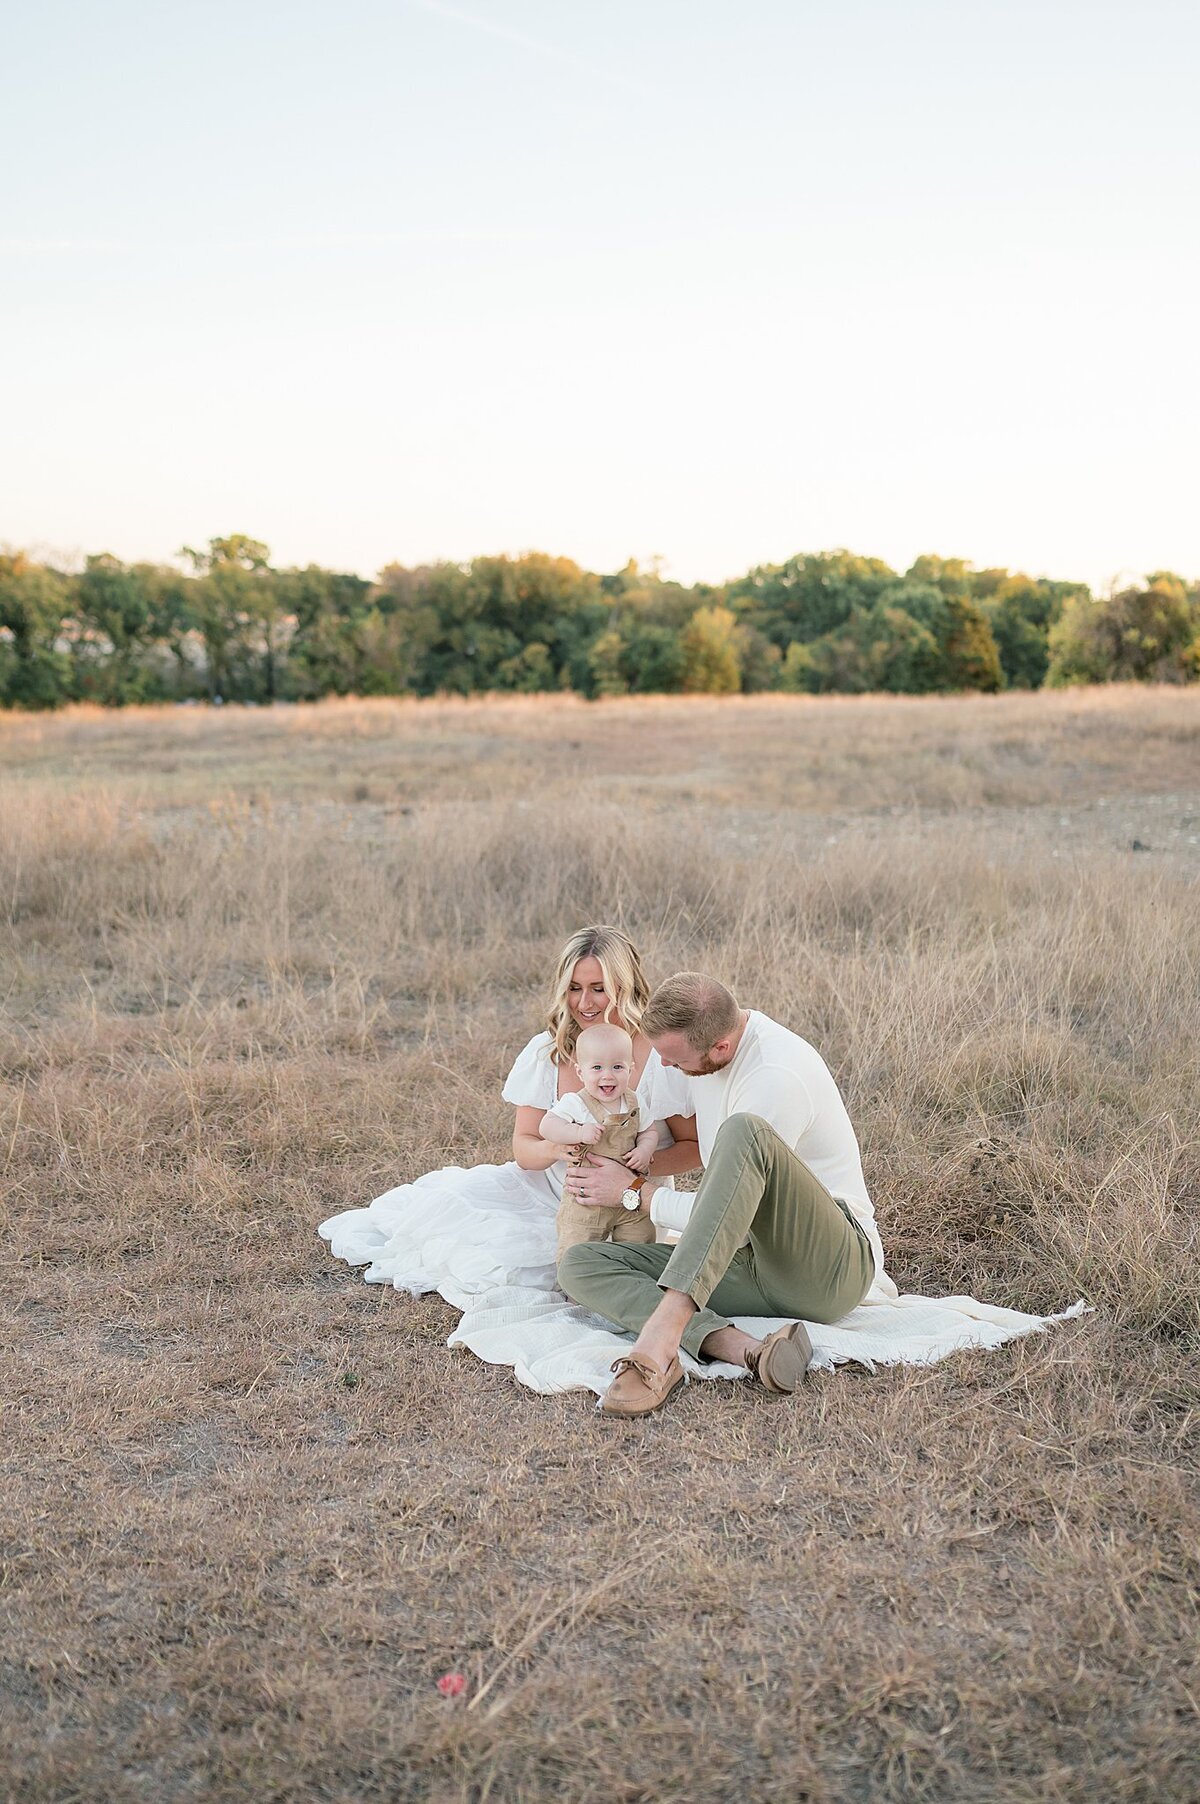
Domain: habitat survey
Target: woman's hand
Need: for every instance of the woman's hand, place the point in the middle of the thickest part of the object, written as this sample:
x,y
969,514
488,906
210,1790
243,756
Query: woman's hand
x,y
530,1151
597,1183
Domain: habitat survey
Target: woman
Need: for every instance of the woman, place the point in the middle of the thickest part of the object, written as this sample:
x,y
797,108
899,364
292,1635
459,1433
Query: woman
x,y
463,1232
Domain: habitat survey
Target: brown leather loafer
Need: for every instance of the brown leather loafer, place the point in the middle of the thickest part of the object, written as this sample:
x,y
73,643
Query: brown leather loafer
x,y
638,1386
782,1360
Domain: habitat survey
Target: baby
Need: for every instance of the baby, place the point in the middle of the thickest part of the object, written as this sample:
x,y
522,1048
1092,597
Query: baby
x,y
604,1118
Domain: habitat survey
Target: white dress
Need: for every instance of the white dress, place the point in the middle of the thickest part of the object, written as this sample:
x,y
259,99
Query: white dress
x,y
463,1231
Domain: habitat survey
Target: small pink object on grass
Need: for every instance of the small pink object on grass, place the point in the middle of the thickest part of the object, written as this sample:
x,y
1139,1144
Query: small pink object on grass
x,y
452,1684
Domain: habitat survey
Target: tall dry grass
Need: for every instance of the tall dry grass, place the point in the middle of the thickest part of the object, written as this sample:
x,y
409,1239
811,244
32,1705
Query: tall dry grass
x,y
255,1508
813,753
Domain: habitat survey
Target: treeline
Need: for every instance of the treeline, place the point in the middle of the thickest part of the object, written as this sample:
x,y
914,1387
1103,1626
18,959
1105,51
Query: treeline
x,y
230,626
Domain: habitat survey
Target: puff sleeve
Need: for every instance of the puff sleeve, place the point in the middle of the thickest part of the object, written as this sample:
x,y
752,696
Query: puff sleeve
x,y
533,1080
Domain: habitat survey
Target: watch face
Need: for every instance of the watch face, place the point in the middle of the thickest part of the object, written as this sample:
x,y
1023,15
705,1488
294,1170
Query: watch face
x,y
630,1199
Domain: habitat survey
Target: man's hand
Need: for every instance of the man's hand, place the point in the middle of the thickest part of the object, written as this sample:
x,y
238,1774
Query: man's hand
x,y
597,1183
638,1158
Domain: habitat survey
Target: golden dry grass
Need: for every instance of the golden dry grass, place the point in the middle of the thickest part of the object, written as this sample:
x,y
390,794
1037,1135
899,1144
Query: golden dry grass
x,y
816,753
253,1508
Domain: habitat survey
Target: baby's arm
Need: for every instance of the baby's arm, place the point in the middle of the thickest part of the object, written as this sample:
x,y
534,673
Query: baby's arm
x,y
639,1157
568,1133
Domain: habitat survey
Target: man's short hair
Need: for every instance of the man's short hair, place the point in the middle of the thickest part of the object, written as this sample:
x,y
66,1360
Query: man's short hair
x,y
698,1007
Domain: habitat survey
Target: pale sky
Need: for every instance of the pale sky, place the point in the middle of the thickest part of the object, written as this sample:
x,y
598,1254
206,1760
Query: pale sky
x,y
714,280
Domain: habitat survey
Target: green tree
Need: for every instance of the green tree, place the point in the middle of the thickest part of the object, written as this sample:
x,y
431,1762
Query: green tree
x,y
710,653
797,674
970,653
808,596
529,671
35,672
968,656
1135,635
606,661
464,627
1017,614
881,648
913,639
173,627
422,613
1020,611
239,614
655,660
760,661
333,649
115,612
952,575
649,617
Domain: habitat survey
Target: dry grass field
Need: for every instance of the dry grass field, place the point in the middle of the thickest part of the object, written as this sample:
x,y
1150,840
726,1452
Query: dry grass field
x,y
259,965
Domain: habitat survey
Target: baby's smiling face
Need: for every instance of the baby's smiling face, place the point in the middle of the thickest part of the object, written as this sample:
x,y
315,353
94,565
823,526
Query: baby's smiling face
x,y
604,1061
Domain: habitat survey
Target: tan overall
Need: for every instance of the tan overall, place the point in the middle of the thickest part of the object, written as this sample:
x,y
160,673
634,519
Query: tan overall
x,y
578,1223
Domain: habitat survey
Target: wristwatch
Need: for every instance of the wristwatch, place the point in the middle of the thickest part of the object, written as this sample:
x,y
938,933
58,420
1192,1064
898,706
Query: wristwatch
x,y
630,1197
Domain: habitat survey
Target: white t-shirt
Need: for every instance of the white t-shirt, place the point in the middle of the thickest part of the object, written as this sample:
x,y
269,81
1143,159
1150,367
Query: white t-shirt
x,y
779,1076
573,1108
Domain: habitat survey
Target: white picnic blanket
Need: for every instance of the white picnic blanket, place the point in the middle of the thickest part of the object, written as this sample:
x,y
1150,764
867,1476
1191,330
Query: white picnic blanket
x,y
554,1345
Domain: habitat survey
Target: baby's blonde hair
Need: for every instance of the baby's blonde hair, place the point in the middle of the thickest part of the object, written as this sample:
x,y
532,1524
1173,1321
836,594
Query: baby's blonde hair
x,y
624,981
592,1042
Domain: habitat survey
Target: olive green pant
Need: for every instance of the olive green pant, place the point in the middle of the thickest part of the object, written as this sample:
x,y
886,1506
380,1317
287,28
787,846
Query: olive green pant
x,y
807,1257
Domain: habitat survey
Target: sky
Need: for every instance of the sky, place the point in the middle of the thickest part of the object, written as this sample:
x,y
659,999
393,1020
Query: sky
x,y
710,281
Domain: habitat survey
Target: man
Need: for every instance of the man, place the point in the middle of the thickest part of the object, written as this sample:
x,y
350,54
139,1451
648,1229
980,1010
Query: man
x,y
781,1223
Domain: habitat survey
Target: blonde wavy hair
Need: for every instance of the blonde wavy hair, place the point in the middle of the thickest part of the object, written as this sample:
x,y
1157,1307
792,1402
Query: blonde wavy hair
x,y
624,981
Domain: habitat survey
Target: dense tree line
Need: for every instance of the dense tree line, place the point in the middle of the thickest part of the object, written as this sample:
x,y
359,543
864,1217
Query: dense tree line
x,y
230,626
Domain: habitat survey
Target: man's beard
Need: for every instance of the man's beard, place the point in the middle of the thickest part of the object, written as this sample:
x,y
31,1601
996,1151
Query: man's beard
x,y
705,1068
